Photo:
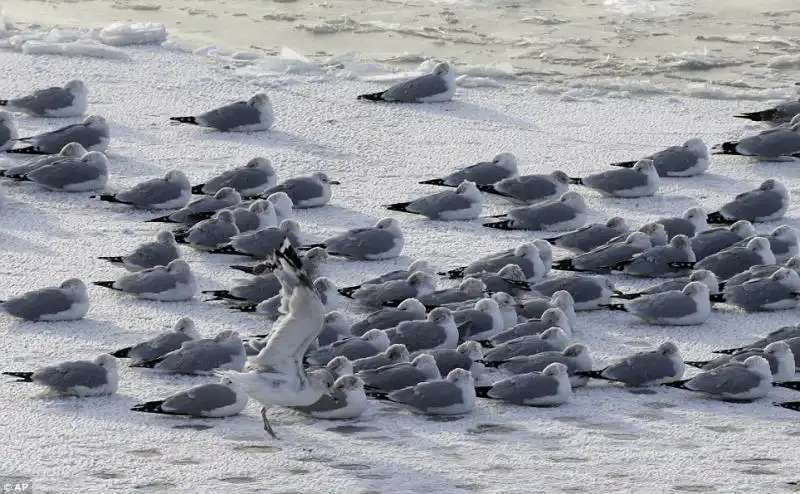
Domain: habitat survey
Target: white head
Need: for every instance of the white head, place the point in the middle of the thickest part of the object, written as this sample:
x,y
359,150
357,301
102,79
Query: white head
x,y
468,189
412,306
337,321
315,256
505,301
96,122
697,146
563,300
683,243
646,167
560,177
698,218
348,384
177,177
340,366
761,246
506,160
759,366
773,185
668,349
95,159
226,216
579,351
618,224
227,381
488,306
228,336
639,240
391,225
780,349
421,281
291,227
165,237
420,265
427,365
282,202
441,69
573,200
743,229
512,272
377,338
793,263
76,87
787,277
5,117
76,288
555,317
109,363
556,336
260,101
785,233
656,232
259,163
696,291
471,349
461,378
73,149
707,278
228,194
472,287
179,267
556,370
323,177
186,326
397,353
527,250
326,288
441,316
545,251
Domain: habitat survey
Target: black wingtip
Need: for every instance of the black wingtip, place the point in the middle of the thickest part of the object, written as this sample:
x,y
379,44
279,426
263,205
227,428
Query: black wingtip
x,y
789,405
162,219
483,391
620,266
696,363
377,394
105,284
400,206
490,189
289,255
593,374
198,189
500,225
616,307
575,181
793,385
221,294
244,307
113,259
717,298
728,147
186,120
243,269
225,249
454,273
26,150
436,181
628,296
682,264
485,343
728,351
149,407
681,384
3,102
348,291
372,96
111,198
122,352
623,164
522,285
149,364
717,218
22,377
180,238
312,246
564,265
758,116
494,364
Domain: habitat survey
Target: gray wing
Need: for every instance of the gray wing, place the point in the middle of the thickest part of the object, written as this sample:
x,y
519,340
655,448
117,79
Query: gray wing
x,y
495,264
152,254
434,205
754,204
733,378
212,234
35,304
392,377
64,173
246,220
429,395
582,289
374,362
206,205
525,345
262,243
154,280
326,403
298,189
587,238
231,116
754,295
674,159
783,333
416,89
483,173
608,255
534,308
446,296
641,369
52,142
25,168
656,261
258,288
418,335
673,304
200,399
361,243
523,364
538,217
158,346
447,360
196,359
729,262
528,328
770,144
472,322
378,294
383,319
677,226
398,274
710,242
67,375
151,192
529,188
518,388
44,100
612,181
238,178
667,286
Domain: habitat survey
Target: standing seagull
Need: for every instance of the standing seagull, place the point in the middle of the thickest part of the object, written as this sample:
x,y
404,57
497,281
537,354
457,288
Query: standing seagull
x,y
766,203
8,132
310,191
171,192
252,115
92,133
438,86
649,368
464,203
382,241
530,189
171,283
66,302
502,166
71,100
687,160
222,399
150,254
687,307
639,181
567,213
249,180
79,378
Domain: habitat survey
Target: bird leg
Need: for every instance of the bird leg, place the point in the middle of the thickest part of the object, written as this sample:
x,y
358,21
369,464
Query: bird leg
x,y
267,427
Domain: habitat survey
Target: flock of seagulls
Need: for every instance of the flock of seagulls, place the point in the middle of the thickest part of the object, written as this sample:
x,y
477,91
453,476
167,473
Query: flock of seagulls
x,y
430,349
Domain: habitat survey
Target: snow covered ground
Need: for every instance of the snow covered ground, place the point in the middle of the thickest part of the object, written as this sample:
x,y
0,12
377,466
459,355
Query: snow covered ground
x,y
607,439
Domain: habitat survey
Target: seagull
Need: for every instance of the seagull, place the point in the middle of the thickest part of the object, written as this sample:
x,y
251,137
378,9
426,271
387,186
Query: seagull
x,y
525,256
784,333
250,180
416,285
778,114
533,308
551,387
716,239
734,381
393,355
310,191
382,241
401,375
530,189
222,399
78,378
761,271
409,309
255,114
481,322
468,289
657,262
702,275
783,242
150,254
71,150
162,344
67,302
211,234
687,307
691,223
92,133
639,181
591,236
602,258
88,173
370,343
768,202
567,213
201,357
171,192
202,208
467,356
463,203
734,260
780,291
261,243
345,399
687,160
437,86
454,395
550,319
510,279
770,144
778,354
259,214
654,367
576,357
588,292
69,100
171,283
502,166
437,331
552,339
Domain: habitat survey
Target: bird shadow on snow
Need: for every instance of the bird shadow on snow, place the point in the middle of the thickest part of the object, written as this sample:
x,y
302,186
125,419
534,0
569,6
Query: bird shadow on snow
x,y
13,243
470,111
272,139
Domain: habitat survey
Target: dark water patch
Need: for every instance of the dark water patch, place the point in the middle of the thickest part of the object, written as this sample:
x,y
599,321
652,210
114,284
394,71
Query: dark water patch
x,y
194,427
256,448
492,429
155,486
351,429
145,453
350,466
694,488
238,480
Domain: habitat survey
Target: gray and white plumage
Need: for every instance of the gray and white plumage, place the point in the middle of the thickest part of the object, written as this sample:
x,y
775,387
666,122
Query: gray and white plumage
x,y
510,279
284,207
198,209
567,213
324,287
551,387
551,318
401,274
783,242
738,381
481,322
692,221
71,150
334,328
250,180
657,262
702,275
255,289
382,241
263,243
370,343
173,191
533,308
202,357
769,144
260,214
438,330
463,203
84,174
502,166
454,395
552,339
305,192
526,256
783,333
345,399
416,285
780,291
67,302
591,236
254,114
212,400
601,259
437,86
576,357
781,113
149,254
687,307
588,292
401,375
212,233
333,370
171,283
734,260
468,289
648,368
69,100
392,355
714,240
467,356
92,133
763,271
768,202
639,181
778,354
410,309
76,378
530,189
687,160
545,254
8,131
184,330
